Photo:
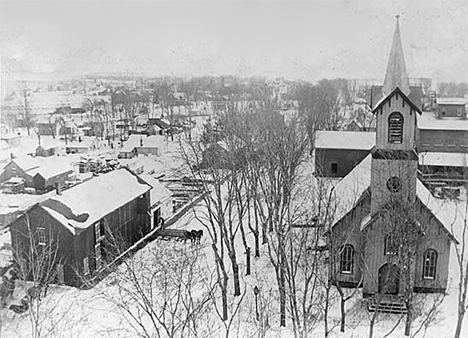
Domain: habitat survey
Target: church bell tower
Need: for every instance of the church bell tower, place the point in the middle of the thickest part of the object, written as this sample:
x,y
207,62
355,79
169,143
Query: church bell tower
x,y
394,157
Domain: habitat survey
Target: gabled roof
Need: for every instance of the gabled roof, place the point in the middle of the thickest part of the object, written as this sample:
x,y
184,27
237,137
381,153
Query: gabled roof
x,y
396,75
326,139
135,141
397,90
92,198
158,192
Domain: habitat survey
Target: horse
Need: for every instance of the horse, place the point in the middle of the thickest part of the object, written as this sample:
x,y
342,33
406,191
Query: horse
x,y
188,235
197,235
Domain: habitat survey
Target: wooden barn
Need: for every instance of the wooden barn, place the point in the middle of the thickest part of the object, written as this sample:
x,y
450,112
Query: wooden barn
x,y
83,223
338,152
389,234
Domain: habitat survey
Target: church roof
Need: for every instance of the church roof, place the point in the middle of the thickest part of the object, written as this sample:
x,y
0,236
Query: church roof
x,y
353,187
396,75
396,90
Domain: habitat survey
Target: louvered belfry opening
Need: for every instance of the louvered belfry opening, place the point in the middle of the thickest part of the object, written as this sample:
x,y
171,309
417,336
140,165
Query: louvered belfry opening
x,y
395,128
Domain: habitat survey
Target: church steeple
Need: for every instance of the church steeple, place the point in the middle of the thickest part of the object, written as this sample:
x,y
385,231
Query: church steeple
x,y
396,75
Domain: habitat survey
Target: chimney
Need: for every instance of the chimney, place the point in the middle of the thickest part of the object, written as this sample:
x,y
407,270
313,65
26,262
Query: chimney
x,y
141,141
58,188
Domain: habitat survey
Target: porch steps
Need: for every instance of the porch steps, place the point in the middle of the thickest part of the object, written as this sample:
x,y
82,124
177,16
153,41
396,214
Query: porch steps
x,y
388,304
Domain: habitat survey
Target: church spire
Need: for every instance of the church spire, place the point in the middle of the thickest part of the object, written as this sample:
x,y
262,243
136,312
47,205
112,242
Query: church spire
x,y
396,75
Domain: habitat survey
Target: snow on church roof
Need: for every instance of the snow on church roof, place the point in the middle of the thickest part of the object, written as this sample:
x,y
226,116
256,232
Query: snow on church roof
x,y
350,189
326,139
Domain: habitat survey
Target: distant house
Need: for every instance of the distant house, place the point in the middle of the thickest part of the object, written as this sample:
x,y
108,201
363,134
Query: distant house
x,y
46,125
12,139
142,145
216,156
160,201
451,107
38,172
338,152
47,148
157,126
85,224
83,145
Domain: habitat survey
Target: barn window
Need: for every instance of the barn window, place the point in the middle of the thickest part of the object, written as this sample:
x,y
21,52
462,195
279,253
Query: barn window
x,y
390,246
97,230
395,128
97,253
86,266
430,264
41,236
334,168
347,259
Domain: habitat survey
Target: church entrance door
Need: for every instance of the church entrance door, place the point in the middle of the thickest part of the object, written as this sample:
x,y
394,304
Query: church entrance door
x,y
389,279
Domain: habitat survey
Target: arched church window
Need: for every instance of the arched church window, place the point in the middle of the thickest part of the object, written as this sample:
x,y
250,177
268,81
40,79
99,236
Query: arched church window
x,y
430,264
395,128
347,259
390,246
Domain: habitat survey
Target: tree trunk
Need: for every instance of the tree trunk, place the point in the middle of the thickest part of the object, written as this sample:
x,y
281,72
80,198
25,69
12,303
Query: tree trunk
x,y
325,312
343,315
247,257
257,244
225,303
264,234
282,298
409,319
235,272
460,317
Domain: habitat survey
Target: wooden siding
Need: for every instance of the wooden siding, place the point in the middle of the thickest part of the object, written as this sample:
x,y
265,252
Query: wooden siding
x,y
346,160
434,238
446,141
382,170
13,170
40,218
348,231
131,221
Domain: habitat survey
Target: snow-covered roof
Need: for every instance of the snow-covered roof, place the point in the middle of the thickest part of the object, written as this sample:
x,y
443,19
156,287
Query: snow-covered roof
x,y
92,198
158,192
142,141
46,166
51,167
451,100
443,159
350,189
429,121
27,163
344,139
445,213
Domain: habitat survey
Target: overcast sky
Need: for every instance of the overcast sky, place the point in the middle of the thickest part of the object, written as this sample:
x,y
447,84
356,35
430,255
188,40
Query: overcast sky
x,y
307,40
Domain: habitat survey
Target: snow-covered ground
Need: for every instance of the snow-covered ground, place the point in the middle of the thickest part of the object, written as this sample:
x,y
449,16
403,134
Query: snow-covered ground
x,y
86,313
